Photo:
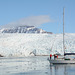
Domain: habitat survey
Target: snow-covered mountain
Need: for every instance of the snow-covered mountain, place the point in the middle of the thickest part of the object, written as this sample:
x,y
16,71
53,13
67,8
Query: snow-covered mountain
x,y
35,44
23,29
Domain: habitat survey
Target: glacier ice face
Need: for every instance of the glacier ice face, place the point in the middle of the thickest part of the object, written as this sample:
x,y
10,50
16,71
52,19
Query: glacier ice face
x,y
18,45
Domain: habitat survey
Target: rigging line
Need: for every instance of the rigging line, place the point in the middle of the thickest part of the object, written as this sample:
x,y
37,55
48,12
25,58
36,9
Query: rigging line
x,y
53,42
56,34
59,25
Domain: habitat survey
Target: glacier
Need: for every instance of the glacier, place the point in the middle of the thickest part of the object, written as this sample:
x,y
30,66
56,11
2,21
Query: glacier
x,y
21,44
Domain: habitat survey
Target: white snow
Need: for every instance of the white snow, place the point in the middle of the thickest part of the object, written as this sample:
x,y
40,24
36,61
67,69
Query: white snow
x,y
17,45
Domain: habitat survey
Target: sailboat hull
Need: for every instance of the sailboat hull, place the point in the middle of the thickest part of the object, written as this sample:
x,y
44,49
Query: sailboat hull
x,y
62,61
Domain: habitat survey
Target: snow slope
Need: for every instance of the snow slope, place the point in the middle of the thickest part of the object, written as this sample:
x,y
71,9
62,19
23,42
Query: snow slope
x,y
18,45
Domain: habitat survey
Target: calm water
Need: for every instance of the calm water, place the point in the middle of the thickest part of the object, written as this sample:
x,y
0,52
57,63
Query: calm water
x,y
33,66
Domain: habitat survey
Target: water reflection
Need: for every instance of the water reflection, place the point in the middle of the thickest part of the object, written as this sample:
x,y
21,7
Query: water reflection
x,y
62,69
33,66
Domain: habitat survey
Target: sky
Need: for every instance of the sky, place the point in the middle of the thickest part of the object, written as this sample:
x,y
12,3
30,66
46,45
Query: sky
x,y
44,14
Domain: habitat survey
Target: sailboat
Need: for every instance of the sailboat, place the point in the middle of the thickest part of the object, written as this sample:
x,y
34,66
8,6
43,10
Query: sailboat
x,y
63,60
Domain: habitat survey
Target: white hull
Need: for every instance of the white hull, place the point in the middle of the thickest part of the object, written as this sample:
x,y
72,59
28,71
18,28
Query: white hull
x,y
62,61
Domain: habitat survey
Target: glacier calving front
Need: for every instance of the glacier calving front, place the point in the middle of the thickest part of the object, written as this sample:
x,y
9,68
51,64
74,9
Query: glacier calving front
x,y
17,44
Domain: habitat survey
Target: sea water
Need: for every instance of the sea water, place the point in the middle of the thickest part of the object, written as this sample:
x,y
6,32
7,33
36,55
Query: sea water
x,y
34,65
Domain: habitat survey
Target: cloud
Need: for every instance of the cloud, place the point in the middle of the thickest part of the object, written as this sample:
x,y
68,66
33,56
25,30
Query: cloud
x,y
30,21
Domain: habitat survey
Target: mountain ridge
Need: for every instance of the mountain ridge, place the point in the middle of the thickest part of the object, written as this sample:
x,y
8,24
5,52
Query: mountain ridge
x,y
23,29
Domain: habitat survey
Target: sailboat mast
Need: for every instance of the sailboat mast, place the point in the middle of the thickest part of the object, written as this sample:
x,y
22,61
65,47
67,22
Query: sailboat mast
x,y
63,32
